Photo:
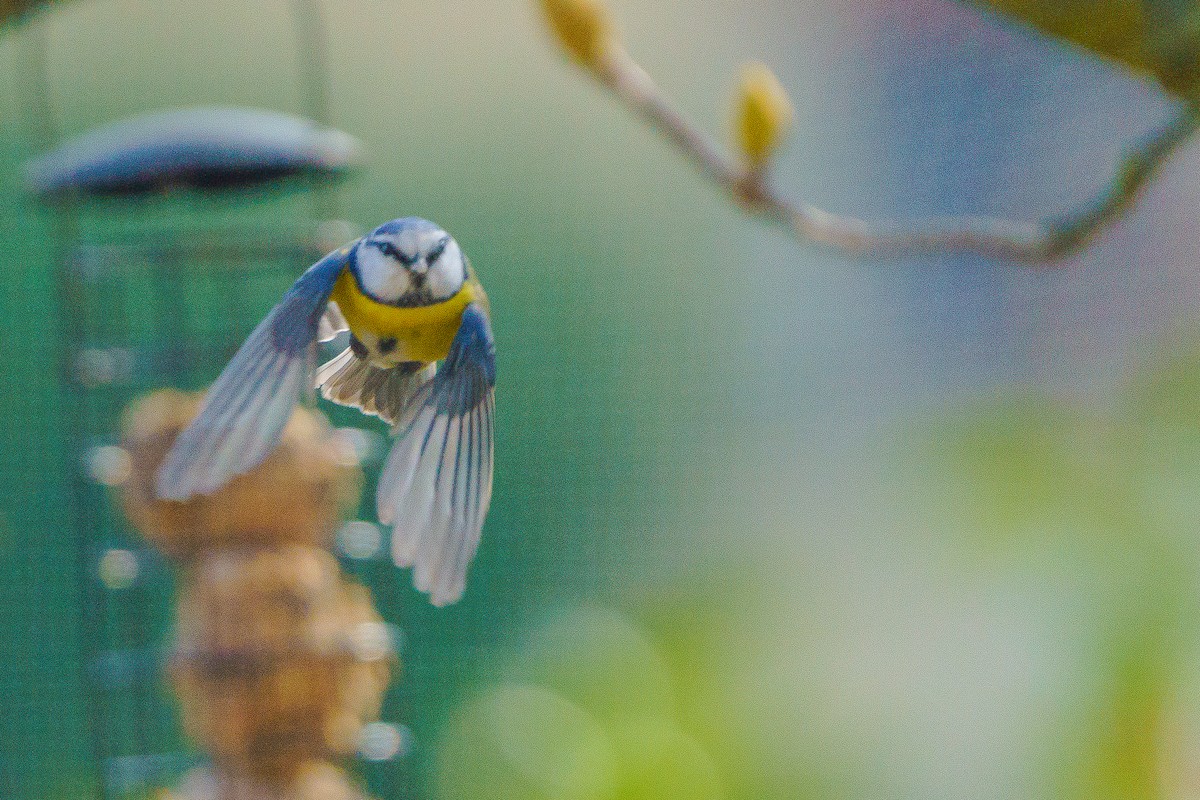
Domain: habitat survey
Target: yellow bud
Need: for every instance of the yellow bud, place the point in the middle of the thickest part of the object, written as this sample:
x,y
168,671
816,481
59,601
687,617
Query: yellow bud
x,y
764,114
583,27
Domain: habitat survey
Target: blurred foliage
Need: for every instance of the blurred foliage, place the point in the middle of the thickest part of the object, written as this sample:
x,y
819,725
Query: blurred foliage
x,y
1160,38
1120,486
12,8
591,708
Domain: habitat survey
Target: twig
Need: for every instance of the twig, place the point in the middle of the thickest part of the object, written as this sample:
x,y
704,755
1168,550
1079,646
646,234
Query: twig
x,y
1027,242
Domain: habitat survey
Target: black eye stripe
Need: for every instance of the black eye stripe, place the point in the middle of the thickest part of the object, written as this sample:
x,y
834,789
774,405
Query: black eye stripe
x,y
389,249
436,251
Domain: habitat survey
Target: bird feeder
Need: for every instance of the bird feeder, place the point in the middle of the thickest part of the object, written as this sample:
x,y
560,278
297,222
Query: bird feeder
x,y
174,230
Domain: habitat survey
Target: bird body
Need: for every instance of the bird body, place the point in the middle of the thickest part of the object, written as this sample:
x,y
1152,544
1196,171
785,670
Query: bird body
x,y
421,333
410,299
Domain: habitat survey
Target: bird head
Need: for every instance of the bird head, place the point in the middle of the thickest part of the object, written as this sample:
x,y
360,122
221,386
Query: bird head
x,y
409,262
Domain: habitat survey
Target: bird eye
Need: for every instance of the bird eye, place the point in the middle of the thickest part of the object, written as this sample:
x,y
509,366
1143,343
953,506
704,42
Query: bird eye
x,y
436,251
389,249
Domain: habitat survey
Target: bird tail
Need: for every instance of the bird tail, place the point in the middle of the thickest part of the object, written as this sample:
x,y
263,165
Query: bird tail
x,y
351,381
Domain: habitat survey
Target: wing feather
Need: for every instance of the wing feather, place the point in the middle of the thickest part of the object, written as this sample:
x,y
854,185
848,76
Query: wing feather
x,y
244,413
436,484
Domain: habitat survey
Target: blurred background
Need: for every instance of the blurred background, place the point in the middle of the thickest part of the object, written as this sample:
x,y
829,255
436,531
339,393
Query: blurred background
x,y
768,522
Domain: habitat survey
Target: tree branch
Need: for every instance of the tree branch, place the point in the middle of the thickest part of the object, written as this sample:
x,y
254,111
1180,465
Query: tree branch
x,y
1032,243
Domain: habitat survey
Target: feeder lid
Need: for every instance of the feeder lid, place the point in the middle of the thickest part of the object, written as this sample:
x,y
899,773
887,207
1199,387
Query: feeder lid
x,y
202,148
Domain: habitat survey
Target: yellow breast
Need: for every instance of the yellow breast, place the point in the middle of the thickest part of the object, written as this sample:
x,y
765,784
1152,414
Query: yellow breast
x,y
422,333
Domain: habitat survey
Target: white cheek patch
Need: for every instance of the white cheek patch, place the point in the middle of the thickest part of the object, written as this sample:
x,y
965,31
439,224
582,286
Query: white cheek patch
x,y
448,273
381,276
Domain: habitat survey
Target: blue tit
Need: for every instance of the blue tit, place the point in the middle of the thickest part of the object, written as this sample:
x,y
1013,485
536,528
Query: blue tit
x,y
410,300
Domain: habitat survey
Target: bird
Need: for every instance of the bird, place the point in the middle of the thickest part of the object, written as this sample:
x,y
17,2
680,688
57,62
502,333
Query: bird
x,y
421,357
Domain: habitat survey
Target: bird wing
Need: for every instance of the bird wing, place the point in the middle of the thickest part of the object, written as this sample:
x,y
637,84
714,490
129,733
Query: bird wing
x,y
437,483
244,413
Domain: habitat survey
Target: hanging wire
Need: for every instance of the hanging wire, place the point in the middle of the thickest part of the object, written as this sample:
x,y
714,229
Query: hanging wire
x,y
312,54
44,130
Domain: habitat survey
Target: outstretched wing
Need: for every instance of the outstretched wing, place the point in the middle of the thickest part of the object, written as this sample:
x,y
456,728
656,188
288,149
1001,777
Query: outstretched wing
x,y
246,409
437,483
